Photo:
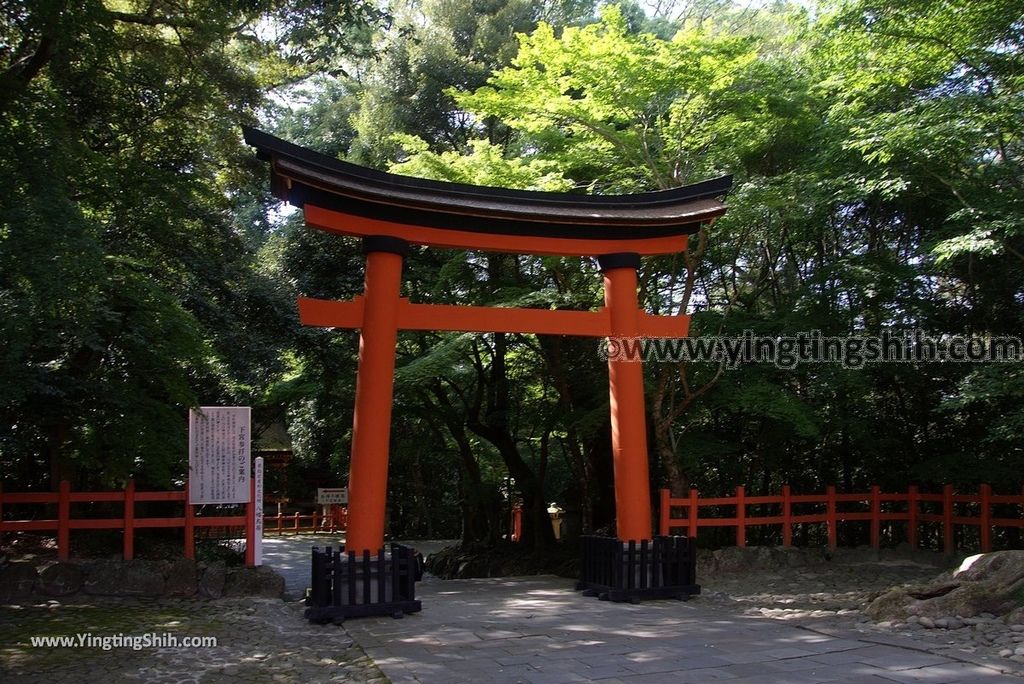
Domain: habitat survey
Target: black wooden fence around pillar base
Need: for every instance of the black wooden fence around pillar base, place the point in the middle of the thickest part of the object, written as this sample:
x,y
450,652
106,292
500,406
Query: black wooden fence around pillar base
x,y
349,585
614,570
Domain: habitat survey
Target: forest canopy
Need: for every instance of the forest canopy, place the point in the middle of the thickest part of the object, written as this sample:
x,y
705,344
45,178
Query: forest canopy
x,y
145,267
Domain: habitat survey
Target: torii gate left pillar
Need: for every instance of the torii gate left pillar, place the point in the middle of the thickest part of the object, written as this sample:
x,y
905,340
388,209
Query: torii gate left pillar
x,y
371,428
626,398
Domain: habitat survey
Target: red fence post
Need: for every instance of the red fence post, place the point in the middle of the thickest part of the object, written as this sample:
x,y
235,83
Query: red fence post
x,y
517,522
129,520
787,518
692,514
912,516
663,512
250,526
830,515
947,519
985,535
280,520
64,521
741,516
876,516
190,539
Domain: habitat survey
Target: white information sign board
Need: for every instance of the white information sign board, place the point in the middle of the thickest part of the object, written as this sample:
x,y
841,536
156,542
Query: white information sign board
x,y
218,454
257,501
332,495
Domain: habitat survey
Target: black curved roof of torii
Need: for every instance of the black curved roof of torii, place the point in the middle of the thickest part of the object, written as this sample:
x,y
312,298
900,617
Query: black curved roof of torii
x,y
301,175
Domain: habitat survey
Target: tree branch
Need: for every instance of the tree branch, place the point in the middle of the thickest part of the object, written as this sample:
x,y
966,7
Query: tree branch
x,y
151,19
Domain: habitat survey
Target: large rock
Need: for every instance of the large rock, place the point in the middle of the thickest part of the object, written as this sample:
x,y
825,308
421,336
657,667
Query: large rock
x,y
860,554
17,581
60,579
125,578
20,582
1004,567
732,559
735,559
261,581
181,578
986,583
211,583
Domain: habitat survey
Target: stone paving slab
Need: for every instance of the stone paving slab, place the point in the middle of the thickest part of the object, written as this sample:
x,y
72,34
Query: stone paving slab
x,y
904,642
537,630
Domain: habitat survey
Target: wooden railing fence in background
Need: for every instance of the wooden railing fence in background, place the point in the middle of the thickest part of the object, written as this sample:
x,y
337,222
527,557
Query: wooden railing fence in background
x,y
879,507
128,522
314,522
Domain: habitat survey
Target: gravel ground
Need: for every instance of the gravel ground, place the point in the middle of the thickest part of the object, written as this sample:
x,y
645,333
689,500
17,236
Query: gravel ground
x,y
834,595
258,640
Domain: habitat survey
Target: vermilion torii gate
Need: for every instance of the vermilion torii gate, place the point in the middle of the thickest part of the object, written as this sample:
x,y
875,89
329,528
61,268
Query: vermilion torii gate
x,y
389,212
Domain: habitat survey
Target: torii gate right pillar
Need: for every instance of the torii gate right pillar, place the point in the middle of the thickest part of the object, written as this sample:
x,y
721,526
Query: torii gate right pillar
x,y
626,388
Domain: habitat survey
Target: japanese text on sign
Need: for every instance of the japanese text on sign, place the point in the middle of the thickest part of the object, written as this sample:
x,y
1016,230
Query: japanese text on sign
x,y
332,495
218,454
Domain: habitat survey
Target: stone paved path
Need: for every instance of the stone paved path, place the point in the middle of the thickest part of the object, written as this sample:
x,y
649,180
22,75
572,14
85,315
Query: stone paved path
x,y
538,630
290,555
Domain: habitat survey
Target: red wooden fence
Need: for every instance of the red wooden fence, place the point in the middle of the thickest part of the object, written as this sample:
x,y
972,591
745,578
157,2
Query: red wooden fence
x,y
317,522
910,502
128,522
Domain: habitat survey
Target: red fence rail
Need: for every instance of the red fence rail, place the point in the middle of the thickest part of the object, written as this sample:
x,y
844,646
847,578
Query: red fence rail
x,y
315,522
879,508
128,522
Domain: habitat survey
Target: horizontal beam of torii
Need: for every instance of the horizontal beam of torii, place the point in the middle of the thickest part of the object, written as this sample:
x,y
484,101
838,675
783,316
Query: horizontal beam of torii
x,y
481,319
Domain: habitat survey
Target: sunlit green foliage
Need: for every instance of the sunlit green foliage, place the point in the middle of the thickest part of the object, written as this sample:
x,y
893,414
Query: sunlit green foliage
x,y
876,152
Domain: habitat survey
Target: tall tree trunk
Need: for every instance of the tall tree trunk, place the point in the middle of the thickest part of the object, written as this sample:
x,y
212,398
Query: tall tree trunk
x,y
552,348
420,487
61,467
667,406
476,523
492,424
676,479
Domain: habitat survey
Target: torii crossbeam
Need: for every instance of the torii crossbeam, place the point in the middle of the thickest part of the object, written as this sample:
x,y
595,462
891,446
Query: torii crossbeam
x,y
389,212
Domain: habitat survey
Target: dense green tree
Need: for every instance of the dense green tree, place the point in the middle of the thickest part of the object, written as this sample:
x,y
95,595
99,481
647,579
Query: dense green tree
x,y
829,228
130,220
436,45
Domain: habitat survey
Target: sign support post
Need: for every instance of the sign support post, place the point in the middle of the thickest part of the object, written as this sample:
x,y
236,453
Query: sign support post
x,y
257,504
